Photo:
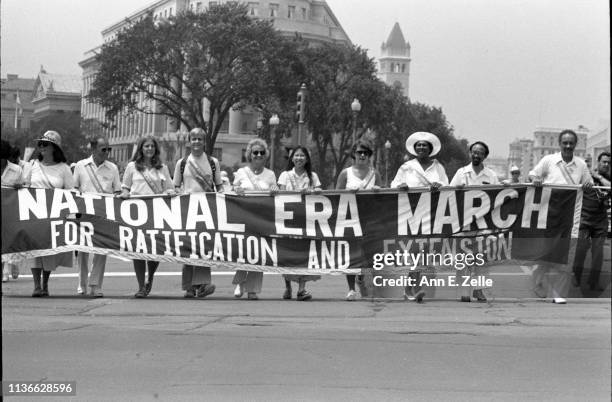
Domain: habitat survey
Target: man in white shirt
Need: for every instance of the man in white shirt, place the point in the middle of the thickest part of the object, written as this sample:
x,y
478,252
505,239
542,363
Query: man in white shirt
x,y
95,174
197,173
475,174
559,168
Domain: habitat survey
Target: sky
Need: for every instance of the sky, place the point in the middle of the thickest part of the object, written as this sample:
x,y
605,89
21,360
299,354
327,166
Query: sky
x,y
497,68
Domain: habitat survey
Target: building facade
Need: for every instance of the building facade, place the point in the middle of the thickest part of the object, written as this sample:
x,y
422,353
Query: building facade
x,y
394,63
596,144
56,94
313,20
17,108
525,153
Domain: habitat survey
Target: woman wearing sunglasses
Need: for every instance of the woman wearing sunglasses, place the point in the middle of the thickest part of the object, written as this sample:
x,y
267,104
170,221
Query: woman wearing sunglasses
x,y
253,177
48,170
360,176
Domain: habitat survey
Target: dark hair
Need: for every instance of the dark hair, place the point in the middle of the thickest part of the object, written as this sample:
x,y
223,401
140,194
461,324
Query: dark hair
x,y
483,145
5,149
58,154
307,165
138,158
363,143
601,155
93,141
570,132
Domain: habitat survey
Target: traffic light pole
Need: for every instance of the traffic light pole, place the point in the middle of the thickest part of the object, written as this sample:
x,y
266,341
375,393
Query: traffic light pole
x,y
301,111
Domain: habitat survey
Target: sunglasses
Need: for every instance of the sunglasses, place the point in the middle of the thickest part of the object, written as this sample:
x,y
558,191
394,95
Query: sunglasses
x,y
43,144
259,153
107,149
362,153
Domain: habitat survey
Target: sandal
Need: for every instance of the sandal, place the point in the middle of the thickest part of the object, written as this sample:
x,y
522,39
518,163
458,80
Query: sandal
x,y
287,294
303,296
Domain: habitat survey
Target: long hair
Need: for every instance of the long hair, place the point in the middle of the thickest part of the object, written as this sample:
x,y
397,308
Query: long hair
x,y
58,154
307,165
138,157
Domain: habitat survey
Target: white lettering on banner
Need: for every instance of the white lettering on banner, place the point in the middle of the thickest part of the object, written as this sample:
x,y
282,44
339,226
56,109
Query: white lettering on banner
x,y
496,213
531,206
470,211
334,254
109,202
320,217
142,213
348,206
58,204
171,216
224,225
281,215
201,245
198,202
447,201
37,206
420,217
89,199
71,233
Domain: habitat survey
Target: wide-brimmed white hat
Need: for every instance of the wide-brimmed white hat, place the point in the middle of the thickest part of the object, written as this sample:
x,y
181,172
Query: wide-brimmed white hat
x,y
423,136
515,168
52,137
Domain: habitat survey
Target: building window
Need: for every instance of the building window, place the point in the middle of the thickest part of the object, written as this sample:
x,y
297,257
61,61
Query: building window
x,y
291,12
274,10
304,13
253,9
198,6
403,68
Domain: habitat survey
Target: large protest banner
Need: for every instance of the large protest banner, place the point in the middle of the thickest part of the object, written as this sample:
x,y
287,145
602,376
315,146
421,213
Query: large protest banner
x,y
329,232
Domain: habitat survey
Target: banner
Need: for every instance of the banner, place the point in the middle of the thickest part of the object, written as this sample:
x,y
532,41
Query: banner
x,y
330,232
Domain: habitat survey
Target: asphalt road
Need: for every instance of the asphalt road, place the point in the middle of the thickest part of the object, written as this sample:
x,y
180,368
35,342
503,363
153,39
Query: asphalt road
x,y
168,348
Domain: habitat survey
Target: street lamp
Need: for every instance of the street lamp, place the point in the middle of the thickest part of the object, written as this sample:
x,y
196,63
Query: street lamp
x,y
387,149
274,122
356,108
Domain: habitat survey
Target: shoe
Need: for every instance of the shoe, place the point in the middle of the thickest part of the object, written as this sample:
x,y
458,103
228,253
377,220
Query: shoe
x,y
238,291
408,295
15,271
80,291
303,296
419,296
206,290
559,300
140,294
38,292
95,292
44,292
287,294
466,299
190,293
147,288
5,277
479,295
351,295
252,296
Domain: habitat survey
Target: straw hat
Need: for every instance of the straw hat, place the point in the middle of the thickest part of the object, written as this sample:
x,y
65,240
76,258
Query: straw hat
x,y
52,137
423,136
514,168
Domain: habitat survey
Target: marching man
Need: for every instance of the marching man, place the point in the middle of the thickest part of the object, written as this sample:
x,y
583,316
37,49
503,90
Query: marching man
x,y
95,174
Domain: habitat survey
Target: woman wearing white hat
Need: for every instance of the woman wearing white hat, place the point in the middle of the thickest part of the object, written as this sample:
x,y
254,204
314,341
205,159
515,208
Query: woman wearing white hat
x,y
422,171
49,170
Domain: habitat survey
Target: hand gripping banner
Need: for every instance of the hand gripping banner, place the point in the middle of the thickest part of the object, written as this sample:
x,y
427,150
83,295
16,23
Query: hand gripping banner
x,y
330,232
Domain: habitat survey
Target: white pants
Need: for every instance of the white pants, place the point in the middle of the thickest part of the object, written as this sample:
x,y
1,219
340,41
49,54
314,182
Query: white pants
x,y
97,271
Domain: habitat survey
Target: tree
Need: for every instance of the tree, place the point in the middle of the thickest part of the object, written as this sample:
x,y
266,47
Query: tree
x,y
192,68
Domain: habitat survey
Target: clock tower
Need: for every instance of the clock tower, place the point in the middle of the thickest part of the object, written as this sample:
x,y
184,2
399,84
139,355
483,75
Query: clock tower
x,y
394,63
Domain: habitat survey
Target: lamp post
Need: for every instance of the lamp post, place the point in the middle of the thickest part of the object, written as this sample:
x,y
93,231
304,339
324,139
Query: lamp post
x,y
356,108
387,149
274,122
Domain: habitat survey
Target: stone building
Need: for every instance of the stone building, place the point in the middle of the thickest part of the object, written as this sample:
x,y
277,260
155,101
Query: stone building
x,y
56,94
312,19
16,102
394,62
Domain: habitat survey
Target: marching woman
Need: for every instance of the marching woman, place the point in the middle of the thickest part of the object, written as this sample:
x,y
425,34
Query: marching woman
x,y
299,177
360,176
255,177
12,176
49,170
146,175
422,171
